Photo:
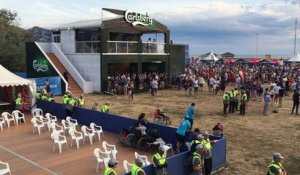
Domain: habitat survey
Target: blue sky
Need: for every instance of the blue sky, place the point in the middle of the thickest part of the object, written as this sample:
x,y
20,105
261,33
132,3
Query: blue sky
x,y
206,25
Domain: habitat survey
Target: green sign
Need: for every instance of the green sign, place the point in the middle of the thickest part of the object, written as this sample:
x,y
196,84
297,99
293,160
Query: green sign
x,y
137,18
37,63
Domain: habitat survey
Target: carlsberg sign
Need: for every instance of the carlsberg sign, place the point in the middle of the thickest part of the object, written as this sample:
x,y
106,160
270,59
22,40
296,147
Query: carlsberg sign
x,y
137,18
40,66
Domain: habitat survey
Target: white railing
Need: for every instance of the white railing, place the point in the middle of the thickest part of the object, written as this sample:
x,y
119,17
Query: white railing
x,y
46,48
88,46
122,46
153,47
87,86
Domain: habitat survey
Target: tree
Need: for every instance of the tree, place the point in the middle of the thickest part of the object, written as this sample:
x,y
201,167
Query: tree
x,y
12,41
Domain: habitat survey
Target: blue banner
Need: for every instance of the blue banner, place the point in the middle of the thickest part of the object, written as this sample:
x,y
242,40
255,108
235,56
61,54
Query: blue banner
x,y
54,82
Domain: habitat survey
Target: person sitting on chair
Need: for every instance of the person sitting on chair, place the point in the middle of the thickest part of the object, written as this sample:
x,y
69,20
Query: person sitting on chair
x,y
141,125
158,113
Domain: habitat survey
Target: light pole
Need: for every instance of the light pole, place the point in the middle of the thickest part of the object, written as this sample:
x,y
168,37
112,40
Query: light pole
x,y
256,51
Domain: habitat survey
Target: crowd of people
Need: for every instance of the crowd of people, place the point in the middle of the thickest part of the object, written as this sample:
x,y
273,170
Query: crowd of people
x,y
126,83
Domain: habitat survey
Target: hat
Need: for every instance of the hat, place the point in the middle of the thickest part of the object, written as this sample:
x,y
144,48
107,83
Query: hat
x,y
112,162
200,136
137,160
199,147
205,133
277,155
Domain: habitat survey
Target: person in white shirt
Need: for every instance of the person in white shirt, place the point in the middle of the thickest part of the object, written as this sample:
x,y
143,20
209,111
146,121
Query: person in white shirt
x,y
196,85
201,82
276,92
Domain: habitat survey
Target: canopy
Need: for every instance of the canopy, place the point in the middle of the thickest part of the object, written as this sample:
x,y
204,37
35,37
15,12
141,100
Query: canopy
x,y
211,57
8,78
295,58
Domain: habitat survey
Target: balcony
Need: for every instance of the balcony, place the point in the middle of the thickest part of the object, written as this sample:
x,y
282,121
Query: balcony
x,y
88,46
119,47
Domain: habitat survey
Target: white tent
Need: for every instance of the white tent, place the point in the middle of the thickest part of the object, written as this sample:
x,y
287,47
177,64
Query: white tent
x,y
8,78
295,58
211,57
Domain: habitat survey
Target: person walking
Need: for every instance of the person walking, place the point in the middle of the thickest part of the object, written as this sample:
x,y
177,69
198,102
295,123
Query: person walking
x,y
191,113
267,101
225,102
160,162
136,169
112,165
243,100
275,167
295,102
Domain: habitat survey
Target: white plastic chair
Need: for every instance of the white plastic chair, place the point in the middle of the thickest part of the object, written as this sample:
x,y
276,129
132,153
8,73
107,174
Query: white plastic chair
x,y
8,118
59,140
98,130
2,123
163,144
127,166
18,116
188,145
6,168
37,112
76,136
101,157
66,125
87,132
37,125
50,117
111,149
72,122
56,128
143,158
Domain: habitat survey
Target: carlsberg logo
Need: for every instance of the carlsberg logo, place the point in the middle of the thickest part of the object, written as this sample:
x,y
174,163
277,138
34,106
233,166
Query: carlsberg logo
x,y
137,18
40,66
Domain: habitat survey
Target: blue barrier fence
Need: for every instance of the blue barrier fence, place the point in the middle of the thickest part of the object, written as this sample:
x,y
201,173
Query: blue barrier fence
x,y
114,124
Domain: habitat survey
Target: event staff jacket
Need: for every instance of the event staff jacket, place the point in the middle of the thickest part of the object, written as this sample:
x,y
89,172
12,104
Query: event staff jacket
x,y
81,102
72,102
194,143
105,109
38,95
44,98
225,98
274,169
136,170
19,101
160,162
109,171
232,95
196,163
244,99
51,99
207,146
66,99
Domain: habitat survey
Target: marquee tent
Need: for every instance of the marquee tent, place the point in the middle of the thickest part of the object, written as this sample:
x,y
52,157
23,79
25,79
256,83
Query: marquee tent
x,y
211,57
295,58
8,78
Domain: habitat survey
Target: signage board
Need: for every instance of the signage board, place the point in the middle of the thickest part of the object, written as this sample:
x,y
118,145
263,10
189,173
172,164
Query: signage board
x,y
135,18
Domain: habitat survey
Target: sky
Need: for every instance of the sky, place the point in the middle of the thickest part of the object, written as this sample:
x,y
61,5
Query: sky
x,y
206,25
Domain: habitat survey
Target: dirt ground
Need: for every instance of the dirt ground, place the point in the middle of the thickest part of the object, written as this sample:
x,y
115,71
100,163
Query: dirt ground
x,y
251,139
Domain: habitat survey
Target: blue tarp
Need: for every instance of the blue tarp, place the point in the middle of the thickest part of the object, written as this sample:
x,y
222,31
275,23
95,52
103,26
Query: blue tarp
x,y
115,124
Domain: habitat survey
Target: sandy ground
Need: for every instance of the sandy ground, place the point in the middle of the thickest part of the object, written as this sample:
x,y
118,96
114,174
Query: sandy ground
x,y
251,138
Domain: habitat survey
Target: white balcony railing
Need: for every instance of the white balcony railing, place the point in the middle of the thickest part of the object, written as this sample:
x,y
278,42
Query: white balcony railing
x,y
88,46
153,47
132,47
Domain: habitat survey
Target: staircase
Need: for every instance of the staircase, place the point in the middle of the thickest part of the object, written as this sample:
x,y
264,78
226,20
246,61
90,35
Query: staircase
x,y
74,88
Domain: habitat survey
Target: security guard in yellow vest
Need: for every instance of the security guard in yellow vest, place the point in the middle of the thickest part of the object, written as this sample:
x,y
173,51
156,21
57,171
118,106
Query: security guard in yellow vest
x,y
197,141
232,96
51,99
95,107
275,167
38,95
136,169
112,164
19,102
66,98
226,99
207,155
72,101
81,101
105,107
44,97
236,104
195,161
160,162
44,91
243,103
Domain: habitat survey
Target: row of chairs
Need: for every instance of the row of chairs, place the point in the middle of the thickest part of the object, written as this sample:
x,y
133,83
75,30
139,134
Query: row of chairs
x,y
102,157
15,117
